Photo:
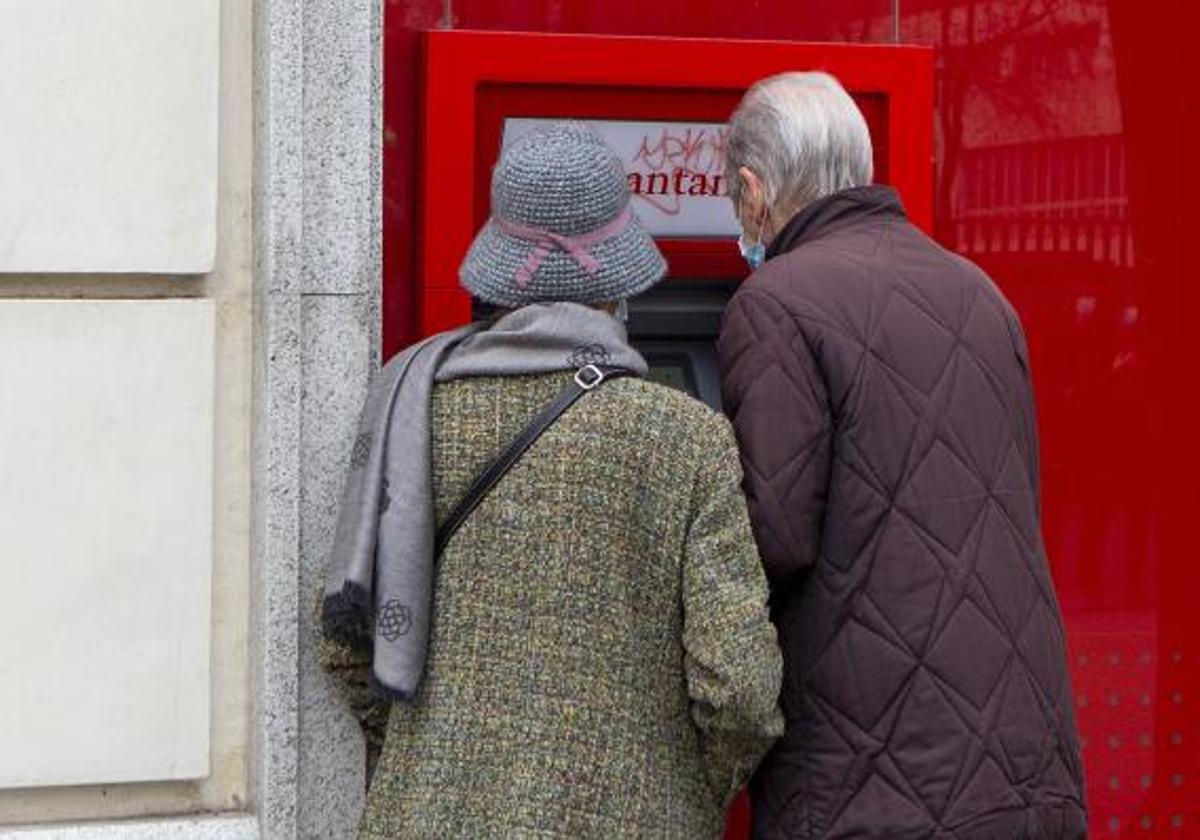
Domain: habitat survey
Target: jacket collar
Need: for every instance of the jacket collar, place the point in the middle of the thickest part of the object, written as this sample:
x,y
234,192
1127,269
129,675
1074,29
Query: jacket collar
x,y
834,211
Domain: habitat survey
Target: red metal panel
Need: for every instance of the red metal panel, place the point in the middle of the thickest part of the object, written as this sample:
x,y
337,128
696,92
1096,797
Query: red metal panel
x,y
473,79
1065,166
401,143
844,20
1067,170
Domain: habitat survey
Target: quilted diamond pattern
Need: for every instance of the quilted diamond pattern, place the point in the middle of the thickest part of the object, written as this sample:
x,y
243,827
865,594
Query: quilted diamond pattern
x,y
972,669
1023,746
855,499
892,807
920,363
987,789
945,496
863,672
881,397
892,409
1009,587
907,593
928,728
973,395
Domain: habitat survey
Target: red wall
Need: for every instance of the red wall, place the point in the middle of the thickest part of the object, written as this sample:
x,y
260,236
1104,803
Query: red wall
x,y
1064,134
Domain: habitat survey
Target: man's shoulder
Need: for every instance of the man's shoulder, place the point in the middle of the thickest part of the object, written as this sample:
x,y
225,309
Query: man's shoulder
x,y
808,275
841,273
783,291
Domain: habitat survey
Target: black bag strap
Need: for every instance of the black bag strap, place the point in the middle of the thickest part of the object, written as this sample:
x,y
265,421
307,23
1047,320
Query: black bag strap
x,y
585,379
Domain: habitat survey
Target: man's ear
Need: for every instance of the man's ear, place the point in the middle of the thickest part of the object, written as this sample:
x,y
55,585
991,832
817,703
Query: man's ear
x,y
754,195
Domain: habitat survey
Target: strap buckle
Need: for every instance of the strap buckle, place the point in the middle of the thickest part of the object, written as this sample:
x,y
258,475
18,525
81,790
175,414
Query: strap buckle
x,y
589,376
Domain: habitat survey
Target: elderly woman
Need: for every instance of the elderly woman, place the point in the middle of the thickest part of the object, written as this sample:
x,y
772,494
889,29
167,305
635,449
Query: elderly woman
x,y
891,457
586,653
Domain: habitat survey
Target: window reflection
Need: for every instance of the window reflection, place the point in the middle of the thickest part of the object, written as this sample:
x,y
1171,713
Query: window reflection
x,y
1035,183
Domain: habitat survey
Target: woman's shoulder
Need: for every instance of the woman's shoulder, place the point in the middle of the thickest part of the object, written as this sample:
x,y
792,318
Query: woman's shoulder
x,y
666,411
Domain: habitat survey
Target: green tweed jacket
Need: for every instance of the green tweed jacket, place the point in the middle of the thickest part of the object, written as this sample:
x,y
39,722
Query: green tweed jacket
x,y
601,662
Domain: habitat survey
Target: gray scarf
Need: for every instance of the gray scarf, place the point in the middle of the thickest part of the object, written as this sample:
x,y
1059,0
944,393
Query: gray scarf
x,y
379,592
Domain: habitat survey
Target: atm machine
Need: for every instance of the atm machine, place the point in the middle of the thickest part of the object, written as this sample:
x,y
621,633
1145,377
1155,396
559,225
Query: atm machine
x,y
662,103
675,326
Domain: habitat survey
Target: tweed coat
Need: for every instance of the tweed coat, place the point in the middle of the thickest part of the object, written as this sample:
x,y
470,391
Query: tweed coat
x,y
601,661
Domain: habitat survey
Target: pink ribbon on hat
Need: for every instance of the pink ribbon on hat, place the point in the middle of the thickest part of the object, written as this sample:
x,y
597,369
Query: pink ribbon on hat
x,y
547,240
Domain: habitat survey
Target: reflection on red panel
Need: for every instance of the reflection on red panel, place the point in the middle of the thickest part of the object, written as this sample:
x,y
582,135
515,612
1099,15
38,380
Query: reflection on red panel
x,y
1066,168
1053,175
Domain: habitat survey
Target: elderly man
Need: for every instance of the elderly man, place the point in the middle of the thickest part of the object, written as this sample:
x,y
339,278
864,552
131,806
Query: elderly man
x,y
880,390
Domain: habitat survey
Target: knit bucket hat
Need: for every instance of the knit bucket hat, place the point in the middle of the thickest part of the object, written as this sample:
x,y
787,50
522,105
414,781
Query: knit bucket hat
x,y
562,226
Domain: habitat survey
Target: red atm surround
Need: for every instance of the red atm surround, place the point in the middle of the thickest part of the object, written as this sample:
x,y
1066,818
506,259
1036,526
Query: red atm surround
x,y
473,80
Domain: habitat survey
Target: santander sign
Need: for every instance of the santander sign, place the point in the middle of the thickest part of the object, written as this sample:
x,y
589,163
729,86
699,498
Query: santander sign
x,y
676,172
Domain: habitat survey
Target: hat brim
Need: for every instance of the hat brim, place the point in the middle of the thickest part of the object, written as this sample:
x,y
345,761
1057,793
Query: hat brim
x,y
630,263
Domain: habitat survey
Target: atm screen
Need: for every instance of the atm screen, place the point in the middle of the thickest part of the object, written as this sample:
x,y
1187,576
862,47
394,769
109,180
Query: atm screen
x,y
675,326
673,371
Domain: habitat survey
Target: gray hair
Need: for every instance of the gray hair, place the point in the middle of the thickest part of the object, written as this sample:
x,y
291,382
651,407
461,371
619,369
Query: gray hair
x,y
803,136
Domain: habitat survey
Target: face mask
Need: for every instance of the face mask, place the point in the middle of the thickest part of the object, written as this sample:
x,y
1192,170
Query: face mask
x,y
755,254
622,313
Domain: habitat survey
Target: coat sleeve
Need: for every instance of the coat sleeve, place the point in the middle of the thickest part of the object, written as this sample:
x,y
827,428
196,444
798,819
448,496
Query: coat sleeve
x,y
731,654
1026,407
775,395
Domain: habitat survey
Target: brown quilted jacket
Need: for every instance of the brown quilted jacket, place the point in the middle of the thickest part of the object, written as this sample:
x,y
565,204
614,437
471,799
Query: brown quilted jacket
x,y
880,391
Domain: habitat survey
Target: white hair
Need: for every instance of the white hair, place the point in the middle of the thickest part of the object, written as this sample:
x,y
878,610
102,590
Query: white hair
x,y
803,136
